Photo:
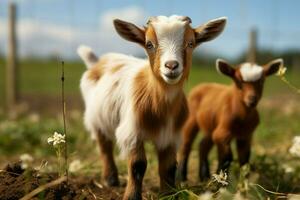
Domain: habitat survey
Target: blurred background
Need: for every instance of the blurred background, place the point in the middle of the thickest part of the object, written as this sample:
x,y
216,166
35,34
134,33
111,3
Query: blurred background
x,y
48,32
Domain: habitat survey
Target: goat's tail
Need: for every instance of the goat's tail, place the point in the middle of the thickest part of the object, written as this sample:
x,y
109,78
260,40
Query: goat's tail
x,y
87,55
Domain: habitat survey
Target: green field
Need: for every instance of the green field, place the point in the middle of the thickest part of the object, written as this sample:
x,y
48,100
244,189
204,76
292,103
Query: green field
x,y
43,77
274,168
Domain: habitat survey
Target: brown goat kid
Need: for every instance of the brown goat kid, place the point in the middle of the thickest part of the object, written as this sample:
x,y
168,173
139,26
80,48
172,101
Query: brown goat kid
x,y
224,113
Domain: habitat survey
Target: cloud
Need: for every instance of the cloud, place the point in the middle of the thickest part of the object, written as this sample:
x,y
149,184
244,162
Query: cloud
x,y
131,14
41,38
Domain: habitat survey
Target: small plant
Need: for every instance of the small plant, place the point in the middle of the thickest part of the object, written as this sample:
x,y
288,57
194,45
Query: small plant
x,y
58,141
220,178
281,74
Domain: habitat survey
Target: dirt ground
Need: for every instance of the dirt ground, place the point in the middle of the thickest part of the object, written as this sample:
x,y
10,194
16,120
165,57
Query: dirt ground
x,y
15,183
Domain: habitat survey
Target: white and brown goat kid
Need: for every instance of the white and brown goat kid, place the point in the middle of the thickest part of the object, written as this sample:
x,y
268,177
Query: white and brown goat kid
x,y
224,113
134,100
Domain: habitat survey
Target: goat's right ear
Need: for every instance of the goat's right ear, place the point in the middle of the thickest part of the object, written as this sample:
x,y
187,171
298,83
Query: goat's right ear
x,y
225,68
130,32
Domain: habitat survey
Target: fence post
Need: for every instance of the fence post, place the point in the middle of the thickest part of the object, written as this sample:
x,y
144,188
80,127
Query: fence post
x,y
251,57
12,65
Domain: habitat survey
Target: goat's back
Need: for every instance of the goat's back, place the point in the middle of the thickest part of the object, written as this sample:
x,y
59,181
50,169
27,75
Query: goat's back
x,y
206,102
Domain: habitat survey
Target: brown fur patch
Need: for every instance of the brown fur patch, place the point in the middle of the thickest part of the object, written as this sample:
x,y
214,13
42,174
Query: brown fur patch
x,y
150,108
189,36
116,68
181,114
95,73
153,54
151,105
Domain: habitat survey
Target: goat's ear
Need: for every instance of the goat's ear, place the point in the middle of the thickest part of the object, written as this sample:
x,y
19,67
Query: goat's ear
x,y
130,32
273,67
210,30
224,68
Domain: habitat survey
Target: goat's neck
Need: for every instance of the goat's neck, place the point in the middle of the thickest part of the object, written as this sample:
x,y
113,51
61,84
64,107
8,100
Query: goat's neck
x,y
239,108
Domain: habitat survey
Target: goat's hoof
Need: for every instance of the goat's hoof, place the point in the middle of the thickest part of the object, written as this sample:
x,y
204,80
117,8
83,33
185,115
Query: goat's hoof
x,y
112,181
181,177
204,178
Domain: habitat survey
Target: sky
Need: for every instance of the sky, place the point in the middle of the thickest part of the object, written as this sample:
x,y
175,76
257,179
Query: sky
x,y
58,27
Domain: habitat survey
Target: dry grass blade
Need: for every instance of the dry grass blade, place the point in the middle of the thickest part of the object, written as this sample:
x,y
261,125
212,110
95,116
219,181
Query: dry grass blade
x,y
280,194
43,187
91,192
64,117
98,184
10,172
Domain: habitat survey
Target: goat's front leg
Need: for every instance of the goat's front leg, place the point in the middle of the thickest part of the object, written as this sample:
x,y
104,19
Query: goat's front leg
x,y
137,165
222,138
244,149
224,156
109,171
167,167
204,148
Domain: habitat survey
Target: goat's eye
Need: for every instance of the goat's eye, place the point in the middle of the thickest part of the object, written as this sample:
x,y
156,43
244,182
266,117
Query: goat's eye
x,y
190,44
149,45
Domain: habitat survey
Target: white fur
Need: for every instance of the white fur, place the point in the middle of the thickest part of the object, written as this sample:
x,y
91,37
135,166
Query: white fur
x,y
87,55
170,35
111,112
251,72
167,136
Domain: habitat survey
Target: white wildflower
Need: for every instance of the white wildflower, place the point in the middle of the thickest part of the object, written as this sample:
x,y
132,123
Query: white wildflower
x,y
281,71
26,157
75,166
220,178
295,148
56,139
26,160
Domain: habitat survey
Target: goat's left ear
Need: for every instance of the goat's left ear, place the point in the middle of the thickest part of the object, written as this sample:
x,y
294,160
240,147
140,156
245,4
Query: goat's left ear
x,y
225,68
130,32
272,67
210,30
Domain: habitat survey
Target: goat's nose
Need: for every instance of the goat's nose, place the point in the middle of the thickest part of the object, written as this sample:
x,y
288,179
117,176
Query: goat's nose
x,y
172,64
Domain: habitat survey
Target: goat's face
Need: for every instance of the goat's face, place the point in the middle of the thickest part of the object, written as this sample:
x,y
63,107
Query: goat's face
x,y
169,43
249,78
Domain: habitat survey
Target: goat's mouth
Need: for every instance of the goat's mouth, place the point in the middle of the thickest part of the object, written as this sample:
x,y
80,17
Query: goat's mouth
x,y
172,77
251,104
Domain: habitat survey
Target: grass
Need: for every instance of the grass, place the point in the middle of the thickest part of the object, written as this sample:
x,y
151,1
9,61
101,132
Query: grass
x,y
43,77
279,110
